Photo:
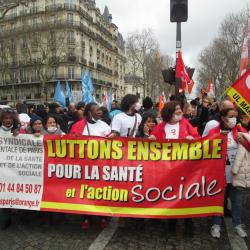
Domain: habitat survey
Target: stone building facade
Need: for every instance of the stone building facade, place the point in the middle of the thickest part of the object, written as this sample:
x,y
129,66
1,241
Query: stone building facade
x,y
51,40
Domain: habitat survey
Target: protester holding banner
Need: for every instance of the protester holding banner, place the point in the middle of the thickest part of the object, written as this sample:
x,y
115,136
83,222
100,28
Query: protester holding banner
x,y
92,124
228,125
95,126
126,123
175,126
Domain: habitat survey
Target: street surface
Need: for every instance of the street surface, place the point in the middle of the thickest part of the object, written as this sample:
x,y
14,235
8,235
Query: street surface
x,y
60,231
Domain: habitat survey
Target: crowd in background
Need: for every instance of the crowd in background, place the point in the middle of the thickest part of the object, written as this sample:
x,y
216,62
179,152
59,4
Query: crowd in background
x,y
179,119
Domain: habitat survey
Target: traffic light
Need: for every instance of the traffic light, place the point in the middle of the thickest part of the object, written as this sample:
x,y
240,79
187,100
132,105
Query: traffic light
x,y
169,75
178,11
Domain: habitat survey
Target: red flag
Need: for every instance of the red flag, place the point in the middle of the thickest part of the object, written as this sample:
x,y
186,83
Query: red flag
x,y
190,86
161,103
210,87
244,54
181,72
240,92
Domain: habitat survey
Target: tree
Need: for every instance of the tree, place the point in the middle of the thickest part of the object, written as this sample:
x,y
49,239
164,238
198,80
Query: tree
x,y
41,53
155,64
219,62
8,5
144,61
141,46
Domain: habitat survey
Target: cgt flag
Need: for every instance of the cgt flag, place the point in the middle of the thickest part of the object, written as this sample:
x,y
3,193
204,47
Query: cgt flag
x,y
239,92
181,72
190,87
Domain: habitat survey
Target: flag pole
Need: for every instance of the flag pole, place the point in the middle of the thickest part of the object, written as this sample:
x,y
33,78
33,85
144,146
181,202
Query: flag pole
x,y
178,49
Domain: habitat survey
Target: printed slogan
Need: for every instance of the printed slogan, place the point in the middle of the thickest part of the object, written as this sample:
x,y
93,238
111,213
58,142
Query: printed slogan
x,y
122,177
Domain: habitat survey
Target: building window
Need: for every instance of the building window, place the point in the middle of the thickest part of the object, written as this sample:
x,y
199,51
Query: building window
x,y
98,54
70,19
35,75
52,38
71,37
35,40
24,75
83,49
50,2
34,22
53,72
90,51
71,72
24,43
69,3
23,10
34,7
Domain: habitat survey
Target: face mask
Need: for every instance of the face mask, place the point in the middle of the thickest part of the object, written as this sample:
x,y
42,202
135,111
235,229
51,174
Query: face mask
x,y
6,129
232,122
177,118
51,129
137,106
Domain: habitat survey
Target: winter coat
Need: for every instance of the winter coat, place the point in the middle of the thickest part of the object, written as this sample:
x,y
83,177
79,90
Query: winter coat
x,y
241,167
78,127
185,130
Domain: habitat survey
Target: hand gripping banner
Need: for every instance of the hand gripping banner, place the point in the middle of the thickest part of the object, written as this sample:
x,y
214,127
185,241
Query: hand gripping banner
x,y
122,177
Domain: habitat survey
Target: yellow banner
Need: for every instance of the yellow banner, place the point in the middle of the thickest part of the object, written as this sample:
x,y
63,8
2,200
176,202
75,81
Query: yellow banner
x,y
239,100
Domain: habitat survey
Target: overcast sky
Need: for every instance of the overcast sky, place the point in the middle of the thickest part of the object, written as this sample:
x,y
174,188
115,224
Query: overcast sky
x,y
204,20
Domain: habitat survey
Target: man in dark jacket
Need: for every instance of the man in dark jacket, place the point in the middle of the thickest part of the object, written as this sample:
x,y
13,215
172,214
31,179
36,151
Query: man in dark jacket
x,y
54,109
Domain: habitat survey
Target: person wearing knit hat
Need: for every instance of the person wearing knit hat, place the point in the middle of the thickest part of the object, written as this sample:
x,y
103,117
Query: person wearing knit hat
x,y
36,125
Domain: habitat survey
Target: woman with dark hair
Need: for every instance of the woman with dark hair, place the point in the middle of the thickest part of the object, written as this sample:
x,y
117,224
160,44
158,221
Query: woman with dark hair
x,y
174,125
105,115
36,126
243,120
147,125
126,123
92,124
51,126
228,125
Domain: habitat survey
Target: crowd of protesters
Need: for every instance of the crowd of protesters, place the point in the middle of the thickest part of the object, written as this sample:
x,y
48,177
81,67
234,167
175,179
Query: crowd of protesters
x,y
179,119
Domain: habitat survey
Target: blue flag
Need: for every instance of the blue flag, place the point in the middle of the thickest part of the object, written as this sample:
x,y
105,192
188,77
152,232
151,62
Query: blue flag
x,y
59,95
109,99
90,83
68,92
87,87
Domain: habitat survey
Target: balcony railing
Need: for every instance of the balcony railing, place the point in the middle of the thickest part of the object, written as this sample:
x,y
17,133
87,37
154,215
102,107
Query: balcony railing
x,y
64,23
